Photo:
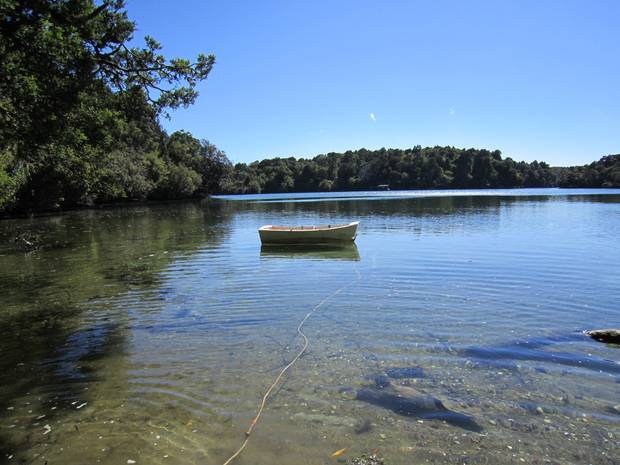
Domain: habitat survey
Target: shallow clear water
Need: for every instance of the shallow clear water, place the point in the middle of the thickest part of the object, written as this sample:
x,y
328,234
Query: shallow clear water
x,y
149,333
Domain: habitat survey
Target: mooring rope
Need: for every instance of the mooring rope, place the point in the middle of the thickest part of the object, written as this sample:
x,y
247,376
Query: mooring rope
x,y
261,407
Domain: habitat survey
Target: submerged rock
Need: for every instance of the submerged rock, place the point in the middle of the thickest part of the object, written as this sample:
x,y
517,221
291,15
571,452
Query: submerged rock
x,y
408,402
405,372
605,335
364,426
28,241
366,459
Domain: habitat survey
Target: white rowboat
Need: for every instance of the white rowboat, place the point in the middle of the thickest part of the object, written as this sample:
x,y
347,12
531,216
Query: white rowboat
x,y
271,234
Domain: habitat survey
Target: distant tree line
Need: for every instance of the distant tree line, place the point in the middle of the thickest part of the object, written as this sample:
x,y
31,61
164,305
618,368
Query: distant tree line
x,y
602,173
80,108
415,168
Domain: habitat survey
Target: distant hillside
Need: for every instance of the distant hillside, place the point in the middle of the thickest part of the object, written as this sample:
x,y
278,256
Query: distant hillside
x,y
414,168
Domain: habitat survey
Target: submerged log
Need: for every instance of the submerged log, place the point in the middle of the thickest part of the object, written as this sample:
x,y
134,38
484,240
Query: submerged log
x,y
605,335
531,351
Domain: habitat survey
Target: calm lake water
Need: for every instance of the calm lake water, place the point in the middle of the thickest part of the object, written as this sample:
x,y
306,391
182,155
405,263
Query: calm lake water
x,y
148,334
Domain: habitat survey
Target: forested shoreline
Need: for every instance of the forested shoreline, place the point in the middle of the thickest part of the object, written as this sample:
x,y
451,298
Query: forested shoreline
x,y
80,110
415,168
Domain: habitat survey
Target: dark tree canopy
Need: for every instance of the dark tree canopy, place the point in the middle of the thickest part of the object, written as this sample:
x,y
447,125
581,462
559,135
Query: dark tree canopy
x,y
53,50
79,108
415,168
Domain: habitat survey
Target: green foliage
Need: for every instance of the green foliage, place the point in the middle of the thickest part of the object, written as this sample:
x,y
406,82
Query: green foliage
x,y
180,182
204,158
326,185
52,51
602,173
415,168
79,110
12,178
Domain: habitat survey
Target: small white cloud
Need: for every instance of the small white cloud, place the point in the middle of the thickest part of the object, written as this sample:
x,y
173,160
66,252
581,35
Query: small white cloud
x,y
372,116
452,111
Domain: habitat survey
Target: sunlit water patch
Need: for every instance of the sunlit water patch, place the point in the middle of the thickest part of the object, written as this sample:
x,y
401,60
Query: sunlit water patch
x,y
149,334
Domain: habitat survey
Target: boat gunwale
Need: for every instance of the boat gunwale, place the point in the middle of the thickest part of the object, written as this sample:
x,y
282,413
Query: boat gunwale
x,y
323,227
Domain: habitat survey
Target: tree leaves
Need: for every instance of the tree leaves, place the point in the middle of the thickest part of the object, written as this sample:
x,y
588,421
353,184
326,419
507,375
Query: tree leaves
x,y
79,108
415,168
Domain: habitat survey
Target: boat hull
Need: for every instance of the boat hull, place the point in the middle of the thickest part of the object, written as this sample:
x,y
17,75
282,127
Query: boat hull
x,y
308,235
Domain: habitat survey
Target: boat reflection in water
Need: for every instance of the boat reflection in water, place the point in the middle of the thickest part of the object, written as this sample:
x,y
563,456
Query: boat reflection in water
x,y
345,251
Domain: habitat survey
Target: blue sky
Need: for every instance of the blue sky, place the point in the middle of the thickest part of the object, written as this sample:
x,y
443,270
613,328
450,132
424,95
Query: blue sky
x,y
534,79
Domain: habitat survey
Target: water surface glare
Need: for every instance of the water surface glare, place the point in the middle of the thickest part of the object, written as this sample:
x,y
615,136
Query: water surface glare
x,y
148,334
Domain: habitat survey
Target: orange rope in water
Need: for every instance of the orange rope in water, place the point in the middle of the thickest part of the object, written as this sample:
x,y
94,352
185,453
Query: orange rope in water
x,y
285,369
